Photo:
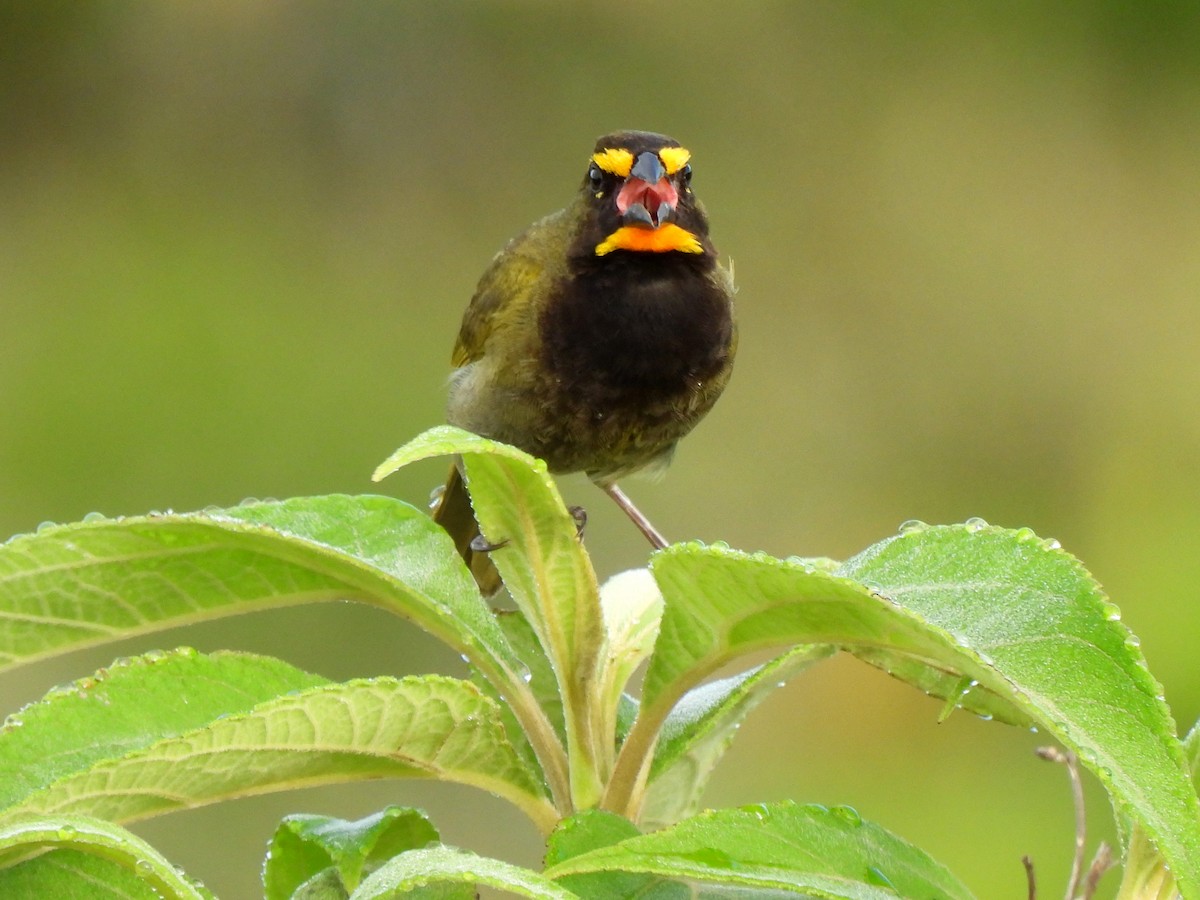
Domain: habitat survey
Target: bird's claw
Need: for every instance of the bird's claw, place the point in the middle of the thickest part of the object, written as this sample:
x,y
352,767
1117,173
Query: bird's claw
x,y
579,514
480,544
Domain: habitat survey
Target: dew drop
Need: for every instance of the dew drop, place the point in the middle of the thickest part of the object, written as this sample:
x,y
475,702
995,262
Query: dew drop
x,y
975,523
912,526
876,877
45,526
94,517
68,833
847,814
144,867
1051,544
760,811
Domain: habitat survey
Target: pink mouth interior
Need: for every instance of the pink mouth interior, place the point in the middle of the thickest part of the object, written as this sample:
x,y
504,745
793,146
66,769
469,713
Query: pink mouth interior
x,y
650,196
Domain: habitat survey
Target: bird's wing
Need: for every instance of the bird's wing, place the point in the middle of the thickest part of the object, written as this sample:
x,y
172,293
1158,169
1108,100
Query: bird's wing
x,y
506,295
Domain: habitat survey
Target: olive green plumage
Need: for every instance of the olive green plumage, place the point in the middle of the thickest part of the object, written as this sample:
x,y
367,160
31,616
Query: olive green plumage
x,y
601,335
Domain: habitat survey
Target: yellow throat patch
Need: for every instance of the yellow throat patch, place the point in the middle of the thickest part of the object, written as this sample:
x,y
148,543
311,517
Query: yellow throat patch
x,y
651,240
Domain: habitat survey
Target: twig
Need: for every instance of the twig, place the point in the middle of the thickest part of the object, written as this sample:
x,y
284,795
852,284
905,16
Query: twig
x,y
1030,878
1071,761
1101,863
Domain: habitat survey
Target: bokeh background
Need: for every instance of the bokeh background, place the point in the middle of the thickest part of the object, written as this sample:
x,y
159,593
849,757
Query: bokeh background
x,y
236,240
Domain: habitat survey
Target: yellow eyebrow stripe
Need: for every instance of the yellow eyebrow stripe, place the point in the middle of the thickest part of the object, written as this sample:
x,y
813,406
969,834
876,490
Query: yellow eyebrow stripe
x,y
674,158
614,161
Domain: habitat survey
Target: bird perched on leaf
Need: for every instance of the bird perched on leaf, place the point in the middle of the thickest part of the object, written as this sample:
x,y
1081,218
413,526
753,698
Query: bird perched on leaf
x,y
600,336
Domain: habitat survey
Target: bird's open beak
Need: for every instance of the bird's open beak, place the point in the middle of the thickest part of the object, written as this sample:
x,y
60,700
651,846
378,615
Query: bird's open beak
x,y
648,198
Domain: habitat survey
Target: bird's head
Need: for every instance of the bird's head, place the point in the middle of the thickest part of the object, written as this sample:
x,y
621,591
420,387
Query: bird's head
x,y
638,197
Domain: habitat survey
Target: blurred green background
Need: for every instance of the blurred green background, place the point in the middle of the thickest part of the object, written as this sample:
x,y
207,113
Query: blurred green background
x,y
236,240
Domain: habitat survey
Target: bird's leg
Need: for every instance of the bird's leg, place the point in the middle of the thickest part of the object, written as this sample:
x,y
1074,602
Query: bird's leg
x,y
652,534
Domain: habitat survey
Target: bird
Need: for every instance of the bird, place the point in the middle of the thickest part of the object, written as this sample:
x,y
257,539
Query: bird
x,y
598,337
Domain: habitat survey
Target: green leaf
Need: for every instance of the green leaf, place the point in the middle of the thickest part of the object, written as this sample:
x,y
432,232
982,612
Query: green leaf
x,y
425,874
1003,609
323,885
543,686
67,873
590,830
129,706
700,728
549,575
86,854
69,586
960,692
305,846
808,850
1035,617
586,831
416,727
1146,875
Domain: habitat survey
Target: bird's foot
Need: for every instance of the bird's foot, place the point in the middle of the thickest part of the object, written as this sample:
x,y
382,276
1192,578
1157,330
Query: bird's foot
x,y
579,514
480,544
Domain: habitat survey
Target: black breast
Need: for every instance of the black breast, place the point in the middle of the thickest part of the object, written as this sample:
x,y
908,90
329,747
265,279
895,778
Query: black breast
x,y
637,330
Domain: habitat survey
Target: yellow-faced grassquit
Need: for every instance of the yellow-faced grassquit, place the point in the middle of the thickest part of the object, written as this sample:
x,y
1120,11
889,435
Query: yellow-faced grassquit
x,y
600,336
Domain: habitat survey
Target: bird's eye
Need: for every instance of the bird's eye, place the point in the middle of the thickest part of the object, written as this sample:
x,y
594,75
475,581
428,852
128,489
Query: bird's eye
x,y
595,177
685,175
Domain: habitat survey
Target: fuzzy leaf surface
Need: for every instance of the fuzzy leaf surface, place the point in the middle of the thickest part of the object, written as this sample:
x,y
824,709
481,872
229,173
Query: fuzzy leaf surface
x,y
1001,611
87,856
306,846
416,727
99,580
700,728
430,873
545,569
785,847
129,706
1034,616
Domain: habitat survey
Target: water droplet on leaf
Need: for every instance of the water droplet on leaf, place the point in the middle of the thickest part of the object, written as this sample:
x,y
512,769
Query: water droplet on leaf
x,y
876,877
847,814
